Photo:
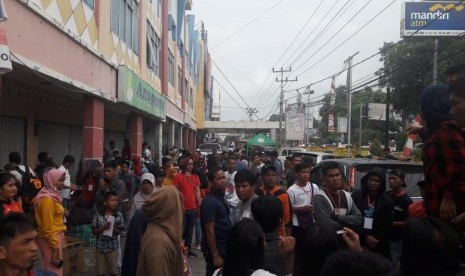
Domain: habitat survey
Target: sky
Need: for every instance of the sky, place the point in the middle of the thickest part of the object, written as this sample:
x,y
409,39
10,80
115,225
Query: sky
x,y
247,38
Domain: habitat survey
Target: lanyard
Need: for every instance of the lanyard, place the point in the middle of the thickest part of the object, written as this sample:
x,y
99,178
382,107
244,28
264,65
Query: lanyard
x,y
338,206
371,205
311,196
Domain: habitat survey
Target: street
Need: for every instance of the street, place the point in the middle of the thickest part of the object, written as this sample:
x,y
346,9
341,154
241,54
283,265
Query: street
x,y
197,264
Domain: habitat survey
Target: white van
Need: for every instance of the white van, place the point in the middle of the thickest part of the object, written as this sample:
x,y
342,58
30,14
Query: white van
x,y
287,151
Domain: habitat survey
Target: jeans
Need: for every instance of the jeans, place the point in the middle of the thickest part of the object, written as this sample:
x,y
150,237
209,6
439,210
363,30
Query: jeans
x,y
188,227
198,233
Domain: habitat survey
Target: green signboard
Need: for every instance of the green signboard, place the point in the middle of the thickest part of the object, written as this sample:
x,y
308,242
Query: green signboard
x,y
134,91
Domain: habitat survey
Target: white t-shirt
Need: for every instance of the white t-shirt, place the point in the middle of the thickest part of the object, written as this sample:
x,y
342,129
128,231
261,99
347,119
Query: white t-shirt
x,y
66,193
302,196
230,192
18,176
258,272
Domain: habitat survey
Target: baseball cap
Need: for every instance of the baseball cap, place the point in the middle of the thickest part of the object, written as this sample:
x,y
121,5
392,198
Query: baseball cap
x,y
149,177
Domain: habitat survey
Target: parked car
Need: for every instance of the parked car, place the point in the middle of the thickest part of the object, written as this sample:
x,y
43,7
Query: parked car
x,y
355,168
317,156
207,148
287,151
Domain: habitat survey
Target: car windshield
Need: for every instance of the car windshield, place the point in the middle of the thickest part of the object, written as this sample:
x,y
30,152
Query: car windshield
x,y
209,147
413,174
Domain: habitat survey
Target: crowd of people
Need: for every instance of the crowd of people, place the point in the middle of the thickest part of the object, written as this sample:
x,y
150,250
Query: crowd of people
x,y
248,216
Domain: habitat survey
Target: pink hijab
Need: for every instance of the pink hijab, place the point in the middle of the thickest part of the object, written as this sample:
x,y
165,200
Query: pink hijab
x,y
50,190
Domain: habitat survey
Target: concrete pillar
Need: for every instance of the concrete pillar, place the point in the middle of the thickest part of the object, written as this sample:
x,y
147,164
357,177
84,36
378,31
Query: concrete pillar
x,y
273,134
164,47
158,140
171,133
179,138
188,139
136,137
194,140
92,134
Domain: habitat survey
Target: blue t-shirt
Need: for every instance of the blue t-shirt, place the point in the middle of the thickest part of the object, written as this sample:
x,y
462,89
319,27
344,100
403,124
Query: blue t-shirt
x,y
214,208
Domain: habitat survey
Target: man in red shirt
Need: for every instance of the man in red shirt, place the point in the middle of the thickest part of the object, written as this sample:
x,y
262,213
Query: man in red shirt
x,y
417,209
189,186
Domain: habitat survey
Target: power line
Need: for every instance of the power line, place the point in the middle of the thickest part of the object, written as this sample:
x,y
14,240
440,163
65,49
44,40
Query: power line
x,y
319,49
248,23
285,51
400,41
320,34
227,92
234,88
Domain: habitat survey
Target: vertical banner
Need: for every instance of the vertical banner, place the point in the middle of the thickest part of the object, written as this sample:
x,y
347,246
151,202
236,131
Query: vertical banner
x,y
5,61
332,105
295,122
408,147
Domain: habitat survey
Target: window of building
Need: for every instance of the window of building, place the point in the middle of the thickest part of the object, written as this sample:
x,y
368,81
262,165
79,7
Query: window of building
x,y
179,80
191,96
186,89
156,6
90,3
125,22
153,50
170,68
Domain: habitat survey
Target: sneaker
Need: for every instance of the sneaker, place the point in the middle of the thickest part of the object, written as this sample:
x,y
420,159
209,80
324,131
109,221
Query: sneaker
x,y
197,246
191,254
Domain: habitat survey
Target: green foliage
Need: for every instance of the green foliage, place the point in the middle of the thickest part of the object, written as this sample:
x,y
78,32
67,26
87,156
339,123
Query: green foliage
x,y
275,118
408,67
376,148
370,129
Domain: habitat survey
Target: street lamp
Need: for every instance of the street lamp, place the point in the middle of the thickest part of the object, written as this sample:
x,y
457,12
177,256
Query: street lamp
x,y
308,92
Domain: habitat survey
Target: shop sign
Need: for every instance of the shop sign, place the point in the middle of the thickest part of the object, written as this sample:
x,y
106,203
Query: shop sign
x,y
134,91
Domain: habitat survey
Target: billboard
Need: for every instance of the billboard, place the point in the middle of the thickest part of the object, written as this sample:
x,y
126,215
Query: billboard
x,y
295,122
342,124
432,18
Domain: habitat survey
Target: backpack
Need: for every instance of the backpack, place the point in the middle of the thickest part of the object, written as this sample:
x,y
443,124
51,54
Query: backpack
x,y
30,187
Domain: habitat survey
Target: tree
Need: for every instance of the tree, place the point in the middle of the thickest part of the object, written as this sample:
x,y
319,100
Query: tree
x,y
408,67
370,129
275,118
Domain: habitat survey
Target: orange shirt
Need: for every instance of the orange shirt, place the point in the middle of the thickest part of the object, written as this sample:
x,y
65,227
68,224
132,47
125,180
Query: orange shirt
x,y
284,198
11,207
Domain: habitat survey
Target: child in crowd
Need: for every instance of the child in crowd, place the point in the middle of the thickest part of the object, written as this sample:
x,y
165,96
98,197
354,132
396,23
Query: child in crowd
x,y
107,225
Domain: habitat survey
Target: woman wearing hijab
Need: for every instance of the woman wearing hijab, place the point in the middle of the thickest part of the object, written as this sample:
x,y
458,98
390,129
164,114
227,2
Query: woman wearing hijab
x,y
49,215
160,246
443,155
170,172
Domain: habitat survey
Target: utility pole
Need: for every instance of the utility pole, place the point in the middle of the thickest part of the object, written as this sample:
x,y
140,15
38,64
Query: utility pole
x,y
387,117
251,111
308,113
360,131
281,99
349,101
435,61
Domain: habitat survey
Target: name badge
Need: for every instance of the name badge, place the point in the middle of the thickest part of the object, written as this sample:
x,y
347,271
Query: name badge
x,y
91,187
368,223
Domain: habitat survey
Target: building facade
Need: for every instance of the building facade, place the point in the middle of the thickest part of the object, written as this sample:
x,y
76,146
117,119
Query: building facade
x,y
86,72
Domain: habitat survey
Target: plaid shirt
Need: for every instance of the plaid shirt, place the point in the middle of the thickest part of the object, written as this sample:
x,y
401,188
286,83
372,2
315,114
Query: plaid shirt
x,y
444,167
105,243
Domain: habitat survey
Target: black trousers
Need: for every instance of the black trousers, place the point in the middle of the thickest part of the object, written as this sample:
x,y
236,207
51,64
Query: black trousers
x,y
188,227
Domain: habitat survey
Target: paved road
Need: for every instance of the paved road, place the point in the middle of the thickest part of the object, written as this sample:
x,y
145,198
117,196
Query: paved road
x,y
197,264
